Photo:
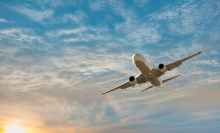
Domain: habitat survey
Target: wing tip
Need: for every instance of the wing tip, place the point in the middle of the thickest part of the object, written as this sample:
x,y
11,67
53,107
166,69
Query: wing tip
x,y
100,91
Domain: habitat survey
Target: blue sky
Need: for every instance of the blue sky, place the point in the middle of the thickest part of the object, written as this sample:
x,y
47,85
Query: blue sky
x,y
55,56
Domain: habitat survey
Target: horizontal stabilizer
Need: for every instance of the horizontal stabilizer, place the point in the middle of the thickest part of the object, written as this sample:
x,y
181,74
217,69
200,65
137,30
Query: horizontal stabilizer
x,y
147,88
164,81
169,79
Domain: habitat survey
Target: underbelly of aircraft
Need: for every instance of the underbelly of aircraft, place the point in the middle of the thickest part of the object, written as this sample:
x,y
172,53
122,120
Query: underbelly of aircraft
x,y
142,67
156,82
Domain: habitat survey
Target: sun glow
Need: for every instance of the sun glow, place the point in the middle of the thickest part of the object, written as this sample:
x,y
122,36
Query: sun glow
x,y
15,129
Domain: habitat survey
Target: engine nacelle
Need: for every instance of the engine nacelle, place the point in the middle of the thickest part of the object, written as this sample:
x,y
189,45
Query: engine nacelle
x,y
162,67
133,80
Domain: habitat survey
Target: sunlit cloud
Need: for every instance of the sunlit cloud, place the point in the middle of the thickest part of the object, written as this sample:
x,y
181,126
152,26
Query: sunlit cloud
x,y
15,129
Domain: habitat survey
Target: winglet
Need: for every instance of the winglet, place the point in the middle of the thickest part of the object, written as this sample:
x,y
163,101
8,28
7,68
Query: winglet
x,y
200,50
100,92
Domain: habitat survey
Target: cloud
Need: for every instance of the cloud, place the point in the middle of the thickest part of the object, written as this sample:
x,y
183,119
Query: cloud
x,y
202,100
145,34
128,15
88,62
61,32
33,14
186,17
53,89
214,36
214,52
81,34
88,37
45,15
208,62
10,32
141,3
97,5
2,20
51,3
130,31
21,34
101,117
78,17
71,40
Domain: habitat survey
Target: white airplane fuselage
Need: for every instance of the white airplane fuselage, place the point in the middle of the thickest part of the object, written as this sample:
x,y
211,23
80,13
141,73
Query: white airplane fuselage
x,y
146,69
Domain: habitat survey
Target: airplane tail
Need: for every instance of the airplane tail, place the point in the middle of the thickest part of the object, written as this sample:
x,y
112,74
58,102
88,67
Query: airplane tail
x,y
164,81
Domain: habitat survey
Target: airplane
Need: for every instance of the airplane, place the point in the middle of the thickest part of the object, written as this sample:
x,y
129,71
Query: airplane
x,y
149,73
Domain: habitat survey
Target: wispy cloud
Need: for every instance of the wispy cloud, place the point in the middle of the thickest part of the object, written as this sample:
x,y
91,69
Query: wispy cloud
x,y
82,33
2,20
186,18
97,5
146,34
214,52
20,34
71,40
51,3
61,32
134,32
45,15
128,15
42,85
74,17
10,32
87,38
33,14
208,62
140,3
215,35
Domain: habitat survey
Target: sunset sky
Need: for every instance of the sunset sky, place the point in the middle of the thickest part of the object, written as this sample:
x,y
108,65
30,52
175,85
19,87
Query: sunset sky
x,y
55,55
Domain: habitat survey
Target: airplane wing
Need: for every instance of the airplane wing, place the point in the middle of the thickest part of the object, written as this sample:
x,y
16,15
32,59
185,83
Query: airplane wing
x,y
140,80
173,65
162,82
179,62
122,86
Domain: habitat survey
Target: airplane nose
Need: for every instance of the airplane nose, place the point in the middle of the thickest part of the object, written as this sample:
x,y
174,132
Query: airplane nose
x,y
135,56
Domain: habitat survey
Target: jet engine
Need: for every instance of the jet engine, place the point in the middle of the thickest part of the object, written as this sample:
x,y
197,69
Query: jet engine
x,y
162,67
133,80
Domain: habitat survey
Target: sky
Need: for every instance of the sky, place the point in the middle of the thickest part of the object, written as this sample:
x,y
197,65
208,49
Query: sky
x,y
55,55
